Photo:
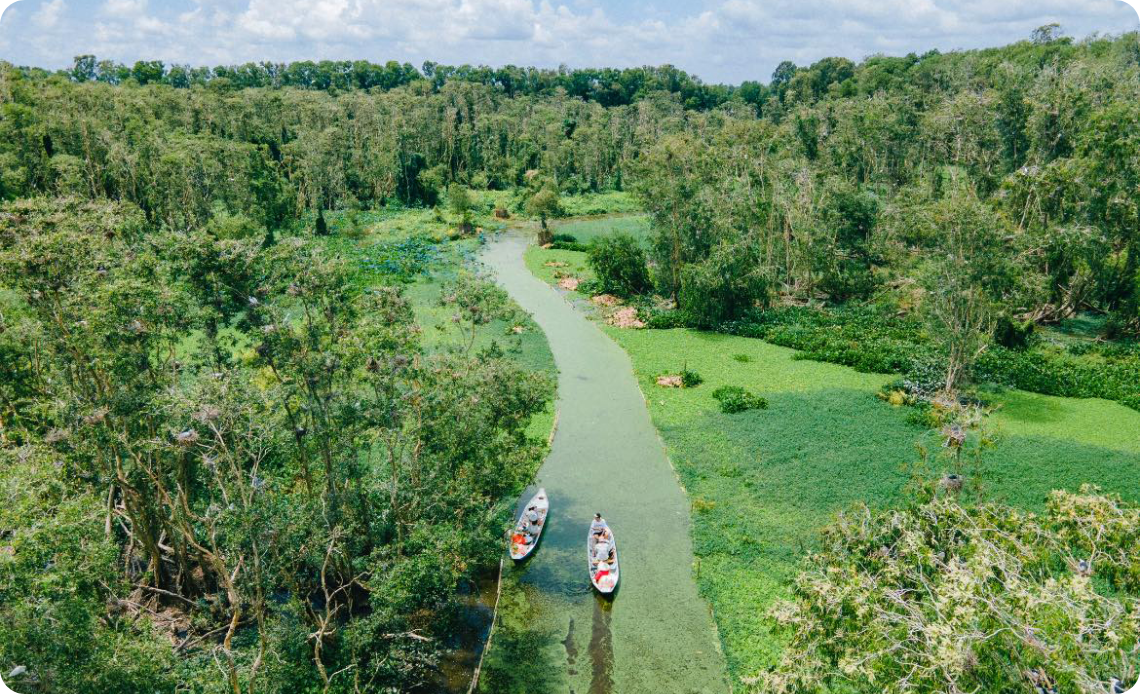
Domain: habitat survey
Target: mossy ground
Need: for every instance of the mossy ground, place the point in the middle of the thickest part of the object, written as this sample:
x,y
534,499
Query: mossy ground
x,y
762,483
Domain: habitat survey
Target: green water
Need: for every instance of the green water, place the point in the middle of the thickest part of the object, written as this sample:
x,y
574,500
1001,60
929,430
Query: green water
x,y
555,634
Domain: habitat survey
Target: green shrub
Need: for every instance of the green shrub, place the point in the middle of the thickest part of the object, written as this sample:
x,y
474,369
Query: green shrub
x,y
735,399
667,320
1013,334
569,246
723,287
568,242
690,379
847,281
619,263
590,287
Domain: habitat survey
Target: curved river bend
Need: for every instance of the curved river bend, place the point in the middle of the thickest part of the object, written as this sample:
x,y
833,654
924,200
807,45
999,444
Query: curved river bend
x,y
656,635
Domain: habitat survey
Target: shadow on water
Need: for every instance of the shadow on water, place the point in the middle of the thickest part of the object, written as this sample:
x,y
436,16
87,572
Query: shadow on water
x,y
468,636
551,581
602,647
571,650
522,658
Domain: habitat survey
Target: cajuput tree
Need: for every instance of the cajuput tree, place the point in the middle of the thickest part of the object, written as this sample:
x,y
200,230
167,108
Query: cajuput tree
x,y
941,597
544,204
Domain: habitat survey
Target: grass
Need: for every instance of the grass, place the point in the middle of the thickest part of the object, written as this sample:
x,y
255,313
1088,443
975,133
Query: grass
x,y
586,230
608,203
612,202
1081,328
549,265
763,482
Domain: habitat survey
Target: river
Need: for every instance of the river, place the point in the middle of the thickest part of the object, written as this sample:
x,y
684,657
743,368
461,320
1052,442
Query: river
x,y
656,634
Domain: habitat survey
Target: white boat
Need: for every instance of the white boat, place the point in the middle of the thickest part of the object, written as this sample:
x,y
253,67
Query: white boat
x,y
541,504
604,574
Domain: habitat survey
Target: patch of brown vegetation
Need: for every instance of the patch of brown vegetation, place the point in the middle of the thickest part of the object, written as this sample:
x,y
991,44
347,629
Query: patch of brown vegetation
x,y
555,263
670,381
501,213
605,300
625,318
570,283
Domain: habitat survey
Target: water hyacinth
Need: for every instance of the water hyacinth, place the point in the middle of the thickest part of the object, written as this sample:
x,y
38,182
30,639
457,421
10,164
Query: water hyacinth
x,y
404,259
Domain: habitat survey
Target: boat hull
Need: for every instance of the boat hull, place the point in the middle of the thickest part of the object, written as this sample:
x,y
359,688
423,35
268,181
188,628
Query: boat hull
x,y
518,550
604,582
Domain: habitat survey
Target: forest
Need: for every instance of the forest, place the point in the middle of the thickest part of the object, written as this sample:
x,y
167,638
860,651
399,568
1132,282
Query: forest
x,y
262,421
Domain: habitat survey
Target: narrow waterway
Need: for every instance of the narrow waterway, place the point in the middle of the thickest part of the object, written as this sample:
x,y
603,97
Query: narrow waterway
x,y
656,634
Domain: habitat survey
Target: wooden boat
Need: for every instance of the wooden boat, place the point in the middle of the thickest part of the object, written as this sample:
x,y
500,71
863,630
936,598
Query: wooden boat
x,y
521,550
604,581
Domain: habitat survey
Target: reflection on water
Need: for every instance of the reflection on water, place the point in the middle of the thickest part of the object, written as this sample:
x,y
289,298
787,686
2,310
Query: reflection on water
x,y
602,648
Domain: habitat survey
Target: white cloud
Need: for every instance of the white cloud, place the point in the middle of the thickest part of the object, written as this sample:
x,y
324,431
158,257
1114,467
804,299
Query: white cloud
x,y
719,40
124,8
48,14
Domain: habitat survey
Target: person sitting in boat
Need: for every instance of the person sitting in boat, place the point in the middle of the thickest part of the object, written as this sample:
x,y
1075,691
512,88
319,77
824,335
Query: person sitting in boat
x,y
604,569
603,551
532,515
522,535
602,535
598,525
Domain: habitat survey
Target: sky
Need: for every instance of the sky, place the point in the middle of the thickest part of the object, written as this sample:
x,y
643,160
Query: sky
x,y
718,40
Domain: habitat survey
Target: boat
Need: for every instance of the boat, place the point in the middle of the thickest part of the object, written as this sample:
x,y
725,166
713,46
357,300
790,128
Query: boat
x,y
541,504
605,581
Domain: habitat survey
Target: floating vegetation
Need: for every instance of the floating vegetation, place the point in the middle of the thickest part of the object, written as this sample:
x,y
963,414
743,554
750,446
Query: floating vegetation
x,y
404,259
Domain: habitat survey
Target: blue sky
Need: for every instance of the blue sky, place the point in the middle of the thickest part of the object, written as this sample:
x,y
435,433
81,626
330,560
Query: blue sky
x,y
719,40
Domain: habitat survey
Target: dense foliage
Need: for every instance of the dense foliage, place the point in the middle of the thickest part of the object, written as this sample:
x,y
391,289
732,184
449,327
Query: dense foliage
x,y
619,265
233,467
275,154
964,188
943,598
607,86
230,462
